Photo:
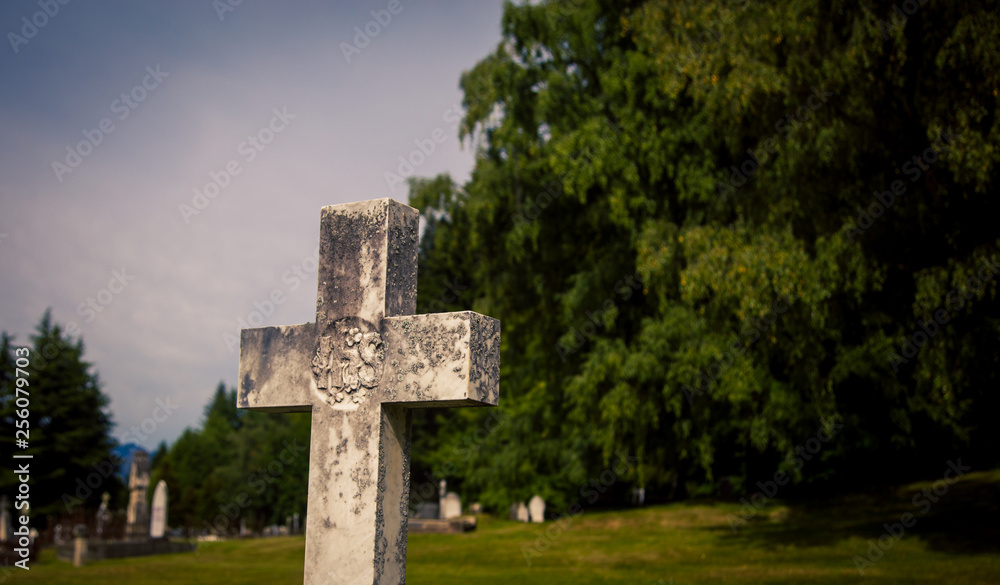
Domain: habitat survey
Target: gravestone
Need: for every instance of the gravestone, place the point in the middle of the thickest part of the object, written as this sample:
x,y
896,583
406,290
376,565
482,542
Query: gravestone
x,y
103,515
158,524
442,492
80,545
6,528
522,513
512,514
295,523
359,369
243,528
452,506
137,517
475,508
428,510
536,507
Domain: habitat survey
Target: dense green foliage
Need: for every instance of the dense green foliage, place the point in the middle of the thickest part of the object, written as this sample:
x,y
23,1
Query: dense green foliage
x,y
67,429
709,226
240,466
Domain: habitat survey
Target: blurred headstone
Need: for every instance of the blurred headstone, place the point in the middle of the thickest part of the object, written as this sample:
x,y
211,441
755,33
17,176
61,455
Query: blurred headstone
x,y
137,517
452,506
536,507
522,513
158,524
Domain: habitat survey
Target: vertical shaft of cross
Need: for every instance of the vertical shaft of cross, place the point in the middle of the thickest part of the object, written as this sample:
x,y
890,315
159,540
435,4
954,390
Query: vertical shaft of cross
x,y
368,264
367,261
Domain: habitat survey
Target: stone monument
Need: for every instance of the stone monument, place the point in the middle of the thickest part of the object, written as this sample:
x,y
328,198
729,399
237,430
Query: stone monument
x,y
359,369
158,523
536,507
522,513
103,515
452,506
137,518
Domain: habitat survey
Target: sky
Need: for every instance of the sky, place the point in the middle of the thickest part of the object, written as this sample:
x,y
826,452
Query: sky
x,y
164,164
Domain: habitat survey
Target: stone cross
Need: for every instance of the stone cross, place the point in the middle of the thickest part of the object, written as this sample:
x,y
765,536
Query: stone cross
x,y
359,369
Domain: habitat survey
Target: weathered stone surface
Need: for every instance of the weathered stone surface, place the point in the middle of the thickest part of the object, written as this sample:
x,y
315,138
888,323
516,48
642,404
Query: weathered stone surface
x,y
360,369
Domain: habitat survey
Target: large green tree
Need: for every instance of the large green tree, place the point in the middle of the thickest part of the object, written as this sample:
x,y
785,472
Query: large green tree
x,y
709,227
68,425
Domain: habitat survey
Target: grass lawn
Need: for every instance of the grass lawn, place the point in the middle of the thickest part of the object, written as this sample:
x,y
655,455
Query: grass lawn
x,y
955,540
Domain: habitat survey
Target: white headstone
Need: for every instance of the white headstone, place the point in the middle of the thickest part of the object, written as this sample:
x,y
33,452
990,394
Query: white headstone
x,y
537,509
158,524
452,506
359,369
522,512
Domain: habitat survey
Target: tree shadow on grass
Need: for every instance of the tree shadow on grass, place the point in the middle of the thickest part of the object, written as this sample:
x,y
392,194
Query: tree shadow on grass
x,y
965,519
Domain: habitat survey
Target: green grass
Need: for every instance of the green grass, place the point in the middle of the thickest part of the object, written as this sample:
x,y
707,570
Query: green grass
x,y
957,541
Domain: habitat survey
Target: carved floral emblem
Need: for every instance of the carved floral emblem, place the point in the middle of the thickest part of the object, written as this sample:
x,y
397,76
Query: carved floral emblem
x,y
348,363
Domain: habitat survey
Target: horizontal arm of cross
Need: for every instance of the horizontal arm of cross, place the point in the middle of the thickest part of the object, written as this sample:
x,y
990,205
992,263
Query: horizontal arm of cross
x,y
441,359
436,360
275,374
